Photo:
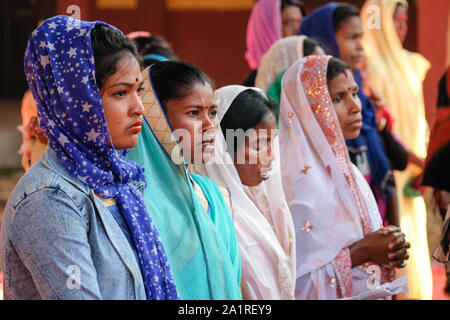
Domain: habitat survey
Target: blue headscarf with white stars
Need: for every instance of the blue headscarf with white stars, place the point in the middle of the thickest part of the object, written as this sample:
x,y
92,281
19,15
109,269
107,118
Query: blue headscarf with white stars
x,y
60,70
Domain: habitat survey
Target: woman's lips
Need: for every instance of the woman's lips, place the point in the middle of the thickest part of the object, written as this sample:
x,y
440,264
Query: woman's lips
x,y
136,128
356,124
207,142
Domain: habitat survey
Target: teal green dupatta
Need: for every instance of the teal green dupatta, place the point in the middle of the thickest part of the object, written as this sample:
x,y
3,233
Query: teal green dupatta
x,y
202,247
274,91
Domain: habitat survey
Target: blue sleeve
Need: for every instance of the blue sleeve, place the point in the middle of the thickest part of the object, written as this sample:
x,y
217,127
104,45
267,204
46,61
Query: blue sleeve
x,y
50,236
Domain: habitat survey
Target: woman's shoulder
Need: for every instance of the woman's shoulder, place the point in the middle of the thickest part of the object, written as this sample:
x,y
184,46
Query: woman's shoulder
x,y
419,63
203,180
44,201
227,197
41,181
206,183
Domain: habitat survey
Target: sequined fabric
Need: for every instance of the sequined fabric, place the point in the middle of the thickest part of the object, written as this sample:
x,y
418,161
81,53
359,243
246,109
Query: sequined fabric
x,y
314,81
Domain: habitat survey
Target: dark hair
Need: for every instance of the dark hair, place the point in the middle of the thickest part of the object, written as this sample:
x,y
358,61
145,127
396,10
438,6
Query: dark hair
x,y
399,5
343,12
175,80
109,46
443,93
310,45
335,67
156,45
246,111
295,3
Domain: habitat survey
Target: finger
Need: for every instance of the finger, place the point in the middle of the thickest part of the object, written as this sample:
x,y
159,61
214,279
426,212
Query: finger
x,y
397,264
398,234
400,264
404,245
398,255
386,231
390,229
396,244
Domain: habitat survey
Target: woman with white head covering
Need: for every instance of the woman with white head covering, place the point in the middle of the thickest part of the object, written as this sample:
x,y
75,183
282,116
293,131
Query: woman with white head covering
x,y
339,239
261,217
281,55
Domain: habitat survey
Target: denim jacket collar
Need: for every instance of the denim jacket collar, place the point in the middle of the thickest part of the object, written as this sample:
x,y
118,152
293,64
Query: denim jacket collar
x,y
50,160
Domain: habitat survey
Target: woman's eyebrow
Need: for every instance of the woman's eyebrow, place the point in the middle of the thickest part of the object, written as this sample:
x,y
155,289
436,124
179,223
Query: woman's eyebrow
x,y
194,106
199,106
341,92
127,84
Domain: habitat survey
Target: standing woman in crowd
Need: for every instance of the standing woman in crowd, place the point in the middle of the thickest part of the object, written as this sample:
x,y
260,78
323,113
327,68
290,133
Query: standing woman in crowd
x,y
437,171
192,214
338,28
76,226
243,162
270,20
34,141
339,236
396,75
152,48
281,55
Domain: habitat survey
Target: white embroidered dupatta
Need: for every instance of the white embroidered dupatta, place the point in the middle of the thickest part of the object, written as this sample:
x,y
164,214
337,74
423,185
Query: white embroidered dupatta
x,y
331,206
266,236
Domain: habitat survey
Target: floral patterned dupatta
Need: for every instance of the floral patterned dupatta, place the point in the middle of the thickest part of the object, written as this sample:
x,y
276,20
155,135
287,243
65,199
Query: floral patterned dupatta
x,y
331,204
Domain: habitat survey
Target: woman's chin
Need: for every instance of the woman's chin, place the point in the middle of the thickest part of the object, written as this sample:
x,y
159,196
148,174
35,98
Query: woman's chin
x,y
207,155
254,182
352,134
125,144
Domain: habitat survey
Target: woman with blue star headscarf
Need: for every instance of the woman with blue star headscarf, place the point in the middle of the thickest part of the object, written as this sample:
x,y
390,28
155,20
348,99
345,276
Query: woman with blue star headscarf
x,y
76,225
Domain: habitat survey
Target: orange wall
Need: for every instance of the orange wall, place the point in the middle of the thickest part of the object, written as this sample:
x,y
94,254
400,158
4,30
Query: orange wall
x,y
212,40
432,43
148,15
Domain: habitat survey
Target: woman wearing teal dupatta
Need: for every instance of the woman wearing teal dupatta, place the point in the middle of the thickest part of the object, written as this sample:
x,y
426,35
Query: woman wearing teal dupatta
x,y
201,244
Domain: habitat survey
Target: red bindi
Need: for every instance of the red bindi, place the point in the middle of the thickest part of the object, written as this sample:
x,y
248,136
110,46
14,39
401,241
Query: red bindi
x,y
345,73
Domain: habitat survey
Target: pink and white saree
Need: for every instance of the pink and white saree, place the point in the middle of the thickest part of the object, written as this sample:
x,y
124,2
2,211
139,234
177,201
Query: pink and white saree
x,y
331,203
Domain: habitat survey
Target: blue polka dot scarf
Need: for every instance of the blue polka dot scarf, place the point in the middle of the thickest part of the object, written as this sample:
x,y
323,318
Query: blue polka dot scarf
x,y
60,70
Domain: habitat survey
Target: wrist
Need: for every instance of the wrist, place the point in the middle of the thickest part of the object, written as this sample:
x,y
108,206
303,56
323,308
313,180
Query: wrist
x,y
358,253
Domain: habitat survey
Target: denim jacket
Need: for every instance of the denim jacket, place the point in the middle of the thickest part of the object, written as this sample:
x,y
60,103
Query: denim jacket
x,y
59,241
